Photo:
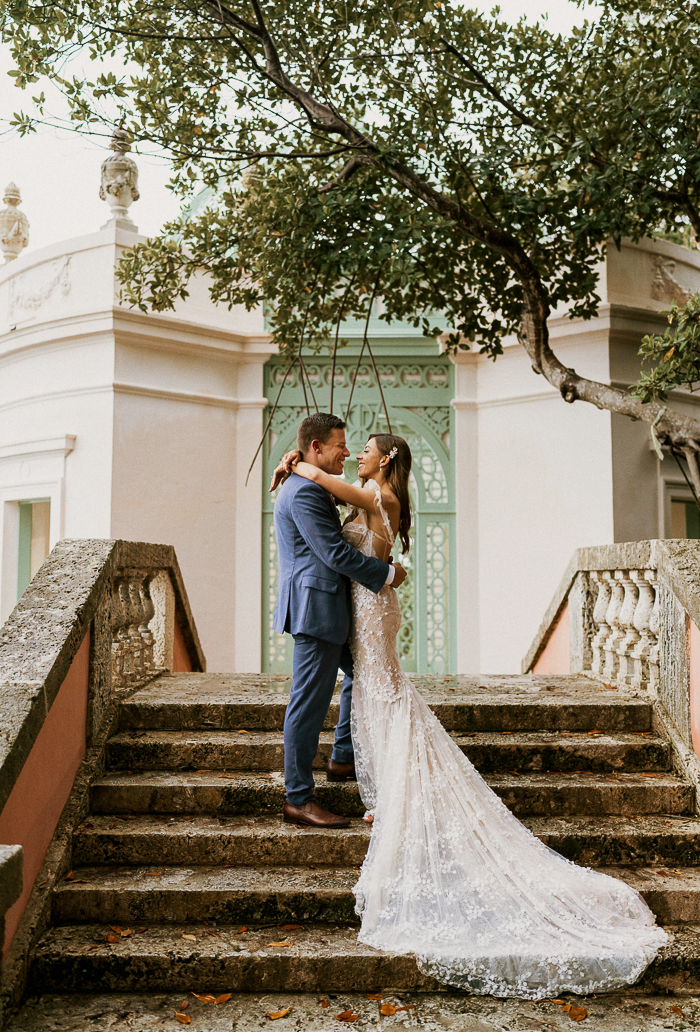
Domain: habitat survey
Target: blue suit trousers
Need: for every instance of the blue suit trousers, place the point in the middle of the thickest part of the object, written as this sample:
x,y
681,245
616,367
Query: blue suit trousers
x,y
315,668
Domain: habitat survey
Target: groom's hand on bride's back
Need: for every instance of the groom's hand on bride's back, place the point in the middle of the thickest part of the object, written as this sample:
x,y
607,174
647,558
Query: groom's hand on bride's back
x,y
399,576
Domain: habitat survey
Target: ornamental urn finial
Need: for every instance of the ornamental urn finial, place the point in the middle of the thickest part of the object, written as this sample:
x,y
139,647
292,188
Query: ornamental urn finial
x,y
14,225
119,181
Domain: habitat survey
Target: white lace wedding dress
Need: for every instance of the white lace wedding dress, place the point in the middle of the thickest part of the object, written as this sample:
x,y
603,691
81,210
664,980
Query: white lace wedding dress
x,y
451,875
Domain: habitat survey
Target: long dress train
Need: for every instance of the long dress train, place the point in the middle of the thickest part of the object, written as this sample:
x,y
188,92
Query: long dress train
x,y
451,875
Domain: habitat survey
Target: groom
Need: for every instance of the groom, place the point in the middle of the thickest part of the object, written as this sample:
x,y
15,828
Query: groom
x,y
313,605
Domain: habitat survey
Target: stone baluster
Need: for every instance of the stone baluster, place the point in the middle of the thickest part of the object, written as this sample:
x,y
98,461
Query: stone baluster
x,y
626,645
599,613
642,620
147,637
120,636
133,639
612,618
136,618
654,632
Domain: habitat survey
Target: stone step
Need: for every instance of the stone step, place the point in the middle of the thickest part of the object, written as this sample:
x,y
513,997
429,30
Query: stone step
x,y
488,750
429,1012
257,703
77,958
204,840
178,895
238,792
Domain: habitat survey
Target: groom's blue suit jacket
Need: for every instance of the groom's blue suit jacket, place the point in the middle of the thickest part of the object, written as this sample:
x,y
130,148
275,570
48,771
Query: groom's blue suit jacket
x,y
316,565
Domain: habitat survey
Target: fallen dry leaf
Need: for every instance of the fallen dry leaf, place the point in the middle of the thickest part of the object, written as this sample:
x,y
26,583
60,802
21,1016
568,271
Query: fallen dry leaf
x,y
205,770
387,1009
116,928
324,1003
113,825
409,1006
192,938
184,1005
204,997
372,996
185,1019
242,732
290,928
278,944
273,1015
224,998
560,1002
113,938
243,929
347,1015
676,1010
577,1013
267,777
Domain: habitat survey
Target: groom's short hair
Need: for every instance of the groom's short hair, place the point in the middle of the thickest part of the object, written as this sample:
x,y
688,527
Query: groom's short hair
x,y
317,427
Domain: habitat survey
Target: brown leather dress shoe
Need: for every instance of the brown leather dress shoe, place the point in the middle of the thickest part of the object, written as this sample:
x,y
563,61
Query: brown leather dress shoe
x,y
313,815
340,771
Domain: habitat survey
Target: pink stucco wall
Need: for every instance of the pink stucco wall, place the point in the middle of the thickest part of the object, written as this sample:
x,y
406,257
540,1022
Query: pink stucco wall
x,y
182,663
31,813
694,648
554,658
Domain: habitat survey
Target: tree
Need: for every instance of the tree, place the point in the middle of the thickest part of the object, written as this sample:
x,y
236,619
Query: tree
x,y
408,149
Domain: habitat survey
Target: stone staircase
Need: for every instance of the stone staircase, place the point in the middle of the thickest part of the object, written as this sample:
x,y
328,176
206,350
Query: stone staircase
x,y
184,876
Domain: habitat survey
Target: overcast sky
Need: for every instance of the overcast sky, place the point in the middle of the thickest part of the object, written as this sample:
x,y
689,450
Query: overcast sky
x,y
58,173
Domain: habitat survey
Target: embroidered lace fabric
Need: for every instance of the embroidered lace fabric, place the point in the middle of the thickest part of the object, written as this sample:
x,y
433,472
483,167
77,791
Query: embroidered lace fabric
x,y
450,874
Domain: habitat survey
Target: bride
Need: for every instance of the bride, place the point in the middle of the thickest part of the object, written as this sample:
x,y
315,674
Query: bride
x,y
450,874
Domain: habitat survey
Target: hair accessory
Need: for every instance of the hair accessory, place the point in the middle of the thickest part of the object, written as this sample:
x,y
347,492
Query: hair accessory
x,y
394,452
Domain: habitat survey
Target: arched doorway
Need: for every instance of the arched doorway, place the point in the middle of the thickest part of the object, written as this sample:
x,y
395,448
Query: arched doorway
x,y
418,391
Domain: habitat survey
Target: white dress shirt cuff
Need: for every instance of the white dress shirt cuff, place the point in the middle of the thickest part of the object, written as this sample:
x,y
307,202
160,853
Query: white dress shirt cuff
x,y
390,574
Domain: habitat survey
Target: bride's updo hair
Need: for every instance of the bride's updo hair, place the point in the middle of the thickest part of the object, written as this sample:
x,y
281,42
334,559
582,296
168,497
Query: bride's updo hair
x,y
397,474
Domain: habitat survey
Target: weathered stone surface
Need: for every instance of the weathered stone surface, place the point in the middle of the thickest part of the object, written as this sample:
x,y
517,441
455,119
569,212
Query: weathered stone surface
x,y
430,1012
242,792
488,750
257,702
158,838
187,840
150,839
322,893
321,958
159,895
673,894
629,839
78,958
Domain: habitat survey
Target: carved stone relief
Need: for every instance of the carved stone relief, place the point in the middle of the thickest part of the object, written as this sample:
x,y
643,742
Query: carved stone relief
x,y
33,288
664,285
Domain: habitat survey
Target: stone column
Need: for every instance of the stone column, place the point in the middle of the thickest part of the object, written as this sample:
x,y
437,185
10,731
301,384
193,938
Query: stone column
x,y
465,444
248,557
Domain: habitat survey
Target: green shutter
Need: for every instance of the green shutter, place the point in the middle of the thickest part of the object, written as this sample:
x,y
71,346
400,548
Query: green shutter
x,y
24,556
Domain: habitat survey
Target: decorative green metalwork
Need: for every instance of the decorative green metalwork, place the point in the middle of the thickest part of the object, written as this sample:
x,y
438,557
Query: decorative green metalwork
x,y
437,594
418,390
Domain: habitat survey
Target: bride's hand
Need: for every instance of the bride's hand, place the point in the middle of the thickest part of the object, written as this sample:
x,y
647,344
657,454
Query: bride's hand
x,y
399,576
283,470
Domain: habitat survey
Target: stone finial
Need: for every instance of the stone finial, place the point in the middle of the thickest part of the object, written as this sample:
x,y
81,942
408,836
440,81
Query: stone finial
x,y
14,225
119,180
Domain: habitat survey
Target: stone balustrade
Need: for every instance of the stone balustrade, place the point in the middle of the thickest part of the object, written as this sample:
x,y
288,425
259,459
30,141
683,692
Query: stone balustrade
x,y
98,619
629,615
624,646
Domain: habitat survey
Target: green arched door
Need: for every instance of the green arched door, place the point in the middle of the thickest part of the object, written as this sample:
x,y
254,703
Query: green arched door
x,y
418,391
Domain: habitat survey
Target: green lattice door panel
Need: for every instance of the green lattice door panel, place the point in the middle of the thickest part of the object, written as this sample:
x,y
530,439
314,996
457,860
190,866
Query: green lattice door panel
x,y
418,394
